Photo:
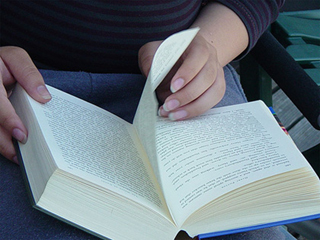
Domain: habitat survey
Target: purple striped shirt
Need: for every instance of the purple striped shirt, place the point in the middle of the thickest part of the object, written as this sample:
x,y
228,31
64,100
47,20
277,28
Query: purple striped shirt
x,y
104,35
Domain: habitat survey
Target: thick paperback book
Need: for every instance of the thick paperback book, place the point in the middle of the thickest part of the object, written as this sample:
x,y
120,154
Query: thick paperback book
x,y
231,169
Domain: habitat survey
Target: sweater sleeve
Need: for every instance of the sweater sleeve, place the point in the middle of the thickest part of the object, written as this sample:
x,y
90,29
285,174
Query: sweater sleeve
x,y
257,15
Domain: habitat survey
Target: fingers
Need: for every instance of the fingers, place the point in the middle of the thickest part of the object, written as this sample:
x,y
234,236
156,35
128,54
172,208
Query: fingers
x,y
193,89
10,126
6,146
197,85
199,55
207,100
18,66
9,120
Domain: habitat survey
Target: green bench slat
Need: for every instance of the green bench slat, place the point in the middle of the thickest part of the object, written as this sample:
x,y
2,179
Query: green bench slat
x,y
305,24
304,53
314,73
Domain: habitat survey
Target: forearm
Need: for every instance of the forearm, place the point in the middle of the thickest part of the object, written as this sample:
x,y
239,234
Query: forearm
x,y
222,28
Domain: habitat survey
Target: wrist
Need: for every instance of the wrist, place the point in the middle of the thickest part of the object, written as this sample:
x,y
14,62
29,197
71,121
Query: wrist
x,y
224,30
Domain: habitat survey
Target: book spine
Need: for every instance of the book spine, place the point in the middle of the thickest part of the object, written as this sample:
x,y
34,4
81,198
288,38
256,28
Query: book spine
x,y
278,120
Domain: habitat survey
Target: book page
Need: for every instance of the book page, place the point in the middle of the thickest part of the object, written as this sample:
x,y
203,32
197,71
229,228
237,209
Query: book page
x,y
203,158
98,146
165,58
168,54
36,183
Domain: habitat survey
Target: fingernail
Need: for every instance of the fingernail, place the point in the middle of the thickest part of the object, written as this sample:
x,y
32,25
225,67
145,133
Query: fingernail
x,y
19,135
178,115
171,105
176,85
162,112
43,91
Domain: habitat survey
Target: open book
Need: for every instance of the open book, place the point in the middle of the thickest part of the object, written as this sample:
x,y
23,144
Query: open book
x,y
230,169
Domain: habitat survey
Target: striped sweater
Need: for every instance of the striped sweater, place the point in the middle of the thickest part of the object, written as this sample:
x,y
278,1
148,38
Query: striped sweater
x,y
104,35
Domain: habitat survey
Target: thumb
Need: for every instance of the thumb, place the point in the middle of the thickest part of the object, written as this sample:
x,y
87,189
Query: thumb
x,y
145,56
19,67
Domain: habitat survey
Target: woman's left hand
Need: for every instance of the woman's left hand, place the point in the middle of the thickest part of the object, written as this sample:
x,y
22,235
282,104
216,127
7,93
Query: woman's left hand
x,y
194,85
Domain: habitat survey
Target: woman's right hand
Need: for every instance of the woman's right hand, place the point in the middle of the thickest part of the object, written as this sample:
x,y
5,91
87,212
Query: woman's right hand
x,y
16,66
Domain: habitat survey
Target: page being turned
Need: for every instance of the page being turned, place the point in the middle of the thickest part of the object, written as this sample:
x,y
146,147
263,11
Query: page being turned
x,y
165,58
203,158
